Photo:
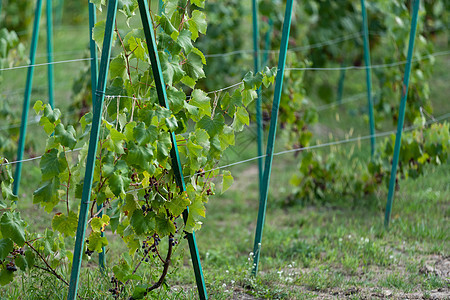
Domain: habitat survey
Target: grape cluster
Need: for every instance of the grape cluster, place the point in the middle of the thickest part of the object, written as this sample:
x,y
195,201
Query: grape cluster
x,y
11,267
151,247
115,291
173,241
201,172
146,208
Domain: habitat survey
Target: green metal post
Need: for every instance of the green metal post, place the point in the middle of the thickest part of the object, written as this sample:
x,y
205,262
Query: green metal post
x,y
59,12
50,52
93,141
272,134
176,164
26,101
401,114
368,78
94,77
259,125
340,90
160,7
267,43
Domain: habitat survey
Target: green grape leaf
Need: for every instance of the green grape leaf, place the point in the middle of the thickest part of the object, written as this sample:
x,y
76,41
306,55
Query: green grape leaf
x,y
269,76
115,143
176,99
30,257
13,227
38,106
21,262
202,101
164,144
129,129
67,225
248,96
178,204
98,3
170,6
6,246
212,126
47,194
99,32
140,156
194,66
117,67
122,271
199,3
119,183
241,119
140,291
188,81
66,137
96,241
52,115
48,126
142,224
172,71
253,82
51,165
168,27
196,212
6,277
7,192
130,205
197,23
145,135
227,181
185,41
164,226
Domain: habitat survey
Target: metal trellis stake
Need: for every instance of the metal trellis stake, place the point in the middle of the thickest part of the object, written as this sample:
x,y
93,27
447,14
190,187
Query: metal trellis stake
x,y
368,78
94,76
259,125
97,106
50,52
267,43
26,101
59,12
401,113
272,134
160,7
340,90
176,164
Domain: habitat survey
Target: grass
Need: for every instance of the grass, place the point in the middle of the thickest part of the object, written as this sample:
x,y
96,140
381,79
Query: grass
x,y
315,251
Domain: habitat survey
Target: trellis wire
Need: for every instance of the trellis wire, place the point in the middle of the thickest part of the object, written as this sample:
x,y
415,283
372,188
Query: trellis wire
x,y
381,134
428,56
46,64
317,146
380,66
343,38
346,141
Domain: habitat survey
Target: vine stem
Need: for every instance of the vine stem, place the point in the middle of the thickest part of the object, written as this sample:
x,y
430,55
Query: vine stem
x,y
49,268
126,54
165,269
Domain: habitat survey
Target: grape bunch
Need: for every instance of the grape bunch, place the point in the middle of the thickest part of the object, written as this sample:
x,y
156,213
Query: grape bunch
x,y
115,290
